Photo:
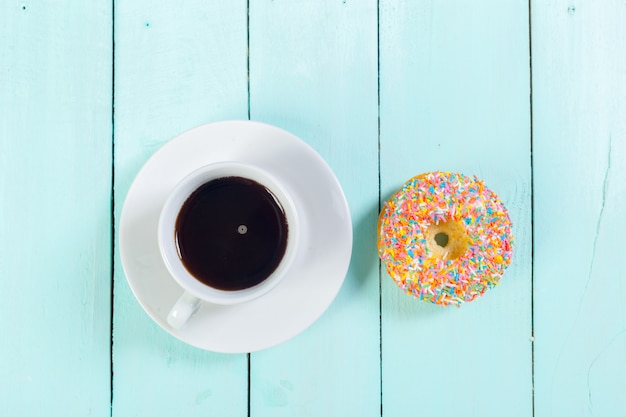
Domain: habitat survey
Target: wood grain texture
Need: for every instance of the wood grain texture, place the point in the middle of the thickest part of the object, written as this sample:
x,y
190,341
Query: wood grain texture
x,y
55,193
313,71
454,88
176,66
579,130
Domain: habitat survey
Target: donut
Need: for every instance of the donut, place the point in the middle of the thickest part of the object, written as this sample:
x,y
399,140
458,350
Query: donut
x,y
445,238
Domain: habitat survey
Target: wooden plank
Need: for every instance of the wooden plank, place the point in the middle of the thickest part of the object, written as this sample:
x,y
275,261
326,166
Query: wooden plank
x,y
175,68
454,88
579,130
313,72
55,193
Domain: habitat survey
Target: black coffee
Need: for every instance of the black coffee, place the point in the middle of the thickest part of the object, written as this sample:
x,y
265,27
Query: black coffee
x,y
231,233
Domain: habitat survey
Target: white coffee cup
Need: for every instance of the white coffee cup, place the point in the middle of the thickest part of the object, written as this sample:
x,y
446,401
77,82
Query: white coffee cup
x,y
197,291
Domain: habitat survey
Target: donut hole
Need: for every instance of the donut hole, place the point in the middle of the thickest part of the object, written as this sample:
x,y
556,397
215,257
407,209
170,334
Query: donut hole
x,y
441,239
447,240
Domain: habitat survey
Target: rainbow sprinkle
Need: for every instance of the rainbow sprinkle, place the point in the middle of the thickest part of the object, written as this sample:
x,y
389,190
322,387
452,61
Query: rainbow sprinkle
x,y
436,197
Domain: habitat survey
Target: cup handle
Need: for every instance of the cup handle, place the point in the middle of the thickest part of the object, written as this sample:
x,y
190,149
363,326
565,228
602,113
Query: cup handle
x,y
184,308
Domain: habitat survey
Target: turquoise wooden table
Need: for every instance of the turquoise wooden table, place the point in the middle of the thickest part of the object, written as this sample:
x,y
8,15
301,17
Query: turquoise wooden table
x,y
531,97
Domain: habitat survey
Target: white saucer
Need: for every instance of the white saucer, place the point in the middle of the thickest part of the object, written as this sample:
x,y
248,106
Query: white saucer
x,y
316,274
